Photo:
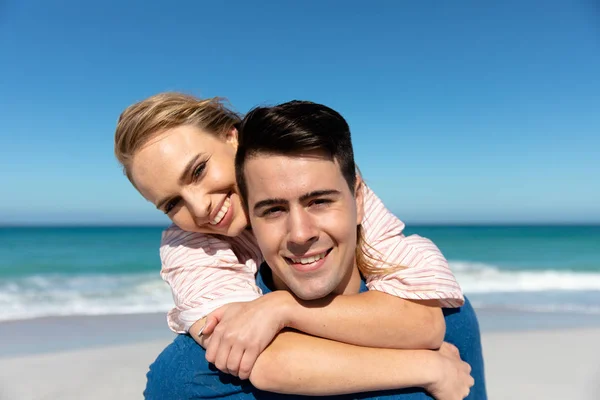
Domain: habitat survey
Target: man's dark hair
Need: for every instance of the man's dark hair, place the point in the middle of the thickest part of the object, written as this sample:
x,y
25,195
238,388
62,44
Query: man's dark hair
x,y
292,128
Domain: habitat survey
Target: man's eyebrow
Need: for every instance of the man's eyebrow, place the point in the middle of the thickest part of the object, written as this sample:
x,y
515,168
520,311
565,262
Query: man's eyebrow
x,y
185,174
319,193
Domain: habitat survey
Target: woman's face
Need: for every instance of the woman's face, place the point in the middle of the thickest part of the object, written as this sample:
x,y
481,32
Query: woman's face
x,y
189,175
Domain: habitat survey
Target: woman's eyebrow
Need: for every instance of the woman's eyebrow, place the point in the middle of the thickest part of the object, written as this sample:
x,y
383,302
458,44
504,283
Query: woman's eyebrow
x,y
187,170
185,174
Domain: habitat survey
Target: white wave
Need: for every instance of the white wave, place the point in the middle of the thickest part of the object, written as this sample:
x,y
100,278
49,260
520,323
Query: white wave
x,y
42,296
62,295
568,308
484,278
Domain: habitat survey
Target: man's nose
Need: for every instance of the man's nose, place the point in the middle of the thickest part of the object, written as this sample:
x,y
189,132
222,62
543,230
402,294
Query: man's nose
x,y
302,228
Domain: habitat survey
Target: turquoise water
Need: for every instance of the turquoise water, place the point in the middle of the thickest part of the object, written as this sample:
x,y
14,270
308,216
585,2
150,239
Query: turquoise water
x,y
108,270
28,251
80,271
573,248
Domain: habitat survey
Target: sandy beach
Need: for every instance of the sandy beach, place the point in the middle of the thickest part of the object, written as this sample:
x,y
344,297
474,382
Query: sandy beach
x,y
562,364
91,358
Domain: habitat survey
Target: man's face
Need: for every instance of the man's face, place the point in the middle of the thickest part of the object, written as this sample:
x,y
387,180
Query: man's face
x,y
304,217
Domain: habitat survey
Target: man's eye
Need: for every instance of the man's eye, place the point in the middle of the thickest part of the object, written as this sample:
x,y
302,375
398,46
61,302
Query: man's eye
x,y
171,205
321,202
199,170
271,212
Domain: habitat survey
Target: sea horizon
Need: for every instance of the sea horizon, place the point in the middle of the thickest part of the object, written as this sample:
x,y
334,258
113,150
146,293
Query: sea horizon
x,y
407,223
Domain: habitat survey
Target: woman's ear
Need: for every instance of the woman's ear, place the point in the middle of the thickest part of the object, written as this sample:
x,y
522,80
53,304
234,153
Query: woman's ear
x,y
360,198
231,137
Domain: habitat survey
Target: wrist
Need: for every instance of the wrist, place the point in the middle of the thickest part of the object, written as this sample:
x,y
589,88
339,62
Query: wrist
x,y
284,306
431,371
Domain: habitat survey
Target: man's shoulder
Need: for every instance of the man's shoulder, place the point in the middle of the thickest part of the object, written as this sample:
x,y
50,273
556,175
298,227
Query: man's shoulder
x,y
264,278
181,371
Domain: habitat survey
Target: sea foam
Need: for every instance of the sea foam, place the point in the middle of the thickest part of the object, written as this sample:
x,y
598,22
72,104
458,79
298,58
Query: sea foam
x,y
59,295
484,278
96,294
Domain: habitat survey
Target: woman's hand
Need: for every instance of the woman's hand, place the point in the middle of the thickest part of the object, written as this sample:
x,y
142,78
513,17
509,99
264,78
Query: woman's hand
x,y
454,379
235,334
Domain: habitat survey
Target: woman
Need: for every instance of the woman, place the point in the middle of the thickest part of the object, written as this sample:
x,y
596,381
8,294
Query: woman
x,y
178,152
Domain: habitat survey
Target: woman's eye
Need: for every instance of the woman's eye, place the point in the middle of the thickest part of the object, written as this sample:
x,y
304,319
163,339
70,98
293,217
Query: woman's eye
x,y
199,170
171,205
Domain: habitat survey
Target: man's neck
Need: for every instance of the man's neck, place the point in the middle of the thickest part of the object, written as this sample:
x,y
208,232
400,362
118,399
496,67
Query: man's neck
x,y
350,285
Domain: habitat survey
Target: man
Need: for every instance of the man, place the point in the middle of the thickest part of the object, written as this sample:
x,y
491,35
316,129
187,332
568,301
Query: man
x,y
296,175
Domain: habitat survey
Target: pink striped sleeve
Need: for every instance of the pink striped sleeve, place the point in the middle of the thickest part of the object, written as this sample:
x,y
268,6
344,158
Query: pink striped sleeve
x,y
206,272
427,275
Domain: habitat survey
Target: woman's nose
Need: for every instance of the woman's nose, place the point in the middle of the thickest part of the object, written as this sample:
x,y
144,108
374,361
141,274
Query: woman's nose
x,y
199,206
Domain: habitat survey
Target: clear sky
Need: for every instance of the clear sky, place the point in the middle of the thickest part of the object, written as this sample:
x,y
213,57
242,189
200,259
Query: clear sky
x,y
461,111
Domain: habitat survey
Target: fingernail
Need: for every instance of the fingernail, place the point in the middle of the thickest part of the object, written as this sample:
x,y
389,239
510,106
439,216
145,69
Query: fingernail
x,y
201,330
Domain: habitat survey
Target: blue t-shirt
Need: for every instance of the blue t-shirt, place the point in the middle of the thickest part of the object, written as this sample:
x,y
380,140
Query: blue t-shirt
x,y
182,372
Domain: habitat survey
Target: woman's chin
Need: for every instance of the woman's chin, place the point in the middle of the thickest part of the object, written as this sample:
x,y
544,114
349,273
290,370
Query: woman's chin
x,y
237,227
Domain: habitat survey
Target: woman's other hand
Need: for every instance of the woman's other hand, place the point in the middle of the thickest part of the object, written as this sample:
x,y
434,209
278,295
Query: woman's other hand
x,y
237,333
453,379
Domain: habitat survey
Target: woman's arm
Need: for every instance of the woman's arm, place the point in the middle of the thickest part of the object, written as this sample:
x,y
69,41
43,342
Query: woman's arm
x,y
372,319
425,274
300,364
241,331
296,363
204,273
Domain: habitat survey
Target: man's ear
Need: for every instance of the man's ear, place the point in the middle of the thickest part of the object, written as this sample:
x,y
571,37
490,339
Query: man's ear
x,y
360,198
231,137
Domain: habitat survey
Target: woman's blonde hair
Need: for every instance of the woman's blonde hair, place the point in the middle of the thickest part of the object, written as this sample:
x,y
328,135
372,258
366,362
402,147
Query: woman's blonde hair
x,y
145,120
366,255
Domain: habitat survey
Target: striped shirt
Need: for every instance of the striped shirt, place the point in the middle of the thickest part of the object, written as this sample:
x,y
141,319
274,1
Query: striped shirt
x,y
207,271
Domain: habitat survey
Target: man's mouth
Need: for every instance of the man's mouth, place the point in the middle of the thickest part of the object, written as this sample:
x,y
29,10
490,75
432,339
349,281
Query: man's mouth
x,y
309,262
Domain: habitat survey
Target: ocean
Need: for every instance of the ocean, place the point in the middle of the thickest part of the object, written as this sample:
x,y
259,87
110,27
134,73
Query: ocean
x,y
58,271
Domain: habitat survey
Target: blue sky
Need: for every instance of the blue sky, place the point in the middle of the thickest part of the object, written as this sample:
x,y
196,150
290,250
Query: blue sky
x,y
460,111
